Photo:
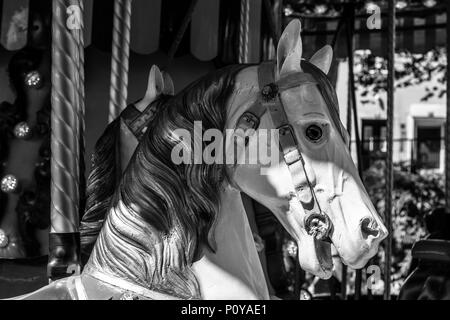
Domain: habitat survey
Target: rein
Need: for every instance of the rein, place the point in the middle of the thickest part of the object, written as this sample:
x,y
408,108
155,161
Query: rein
x,y
317,223
137,121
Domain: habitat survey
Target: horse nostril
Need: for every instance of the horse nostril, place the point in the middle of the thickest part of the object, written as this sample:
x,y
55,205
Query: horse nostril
x,y
369,227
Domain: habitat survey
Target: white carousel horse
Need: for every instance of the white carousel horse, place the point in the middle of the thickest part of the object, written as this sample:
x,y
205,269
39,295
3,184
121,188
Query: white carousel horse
x,y
166,235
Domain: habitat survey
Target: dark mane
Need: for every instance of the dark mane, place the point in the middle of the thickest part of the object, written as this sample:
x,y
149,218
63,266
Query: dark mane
x,y
103,181
187,196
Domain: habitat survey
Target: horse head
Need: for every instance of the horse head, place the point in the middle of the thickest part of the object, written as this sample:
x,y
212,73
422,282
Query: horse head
x,y
311,184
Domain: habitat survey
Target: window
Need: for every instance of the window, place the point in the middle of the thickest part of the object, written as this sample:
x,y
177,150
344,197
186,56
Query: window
x,y
428,147
374,141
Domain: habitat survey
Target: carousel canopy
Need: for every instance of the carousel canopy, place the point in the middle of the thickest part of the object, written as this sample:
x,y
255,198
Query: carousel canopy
x,y
420,24
214,24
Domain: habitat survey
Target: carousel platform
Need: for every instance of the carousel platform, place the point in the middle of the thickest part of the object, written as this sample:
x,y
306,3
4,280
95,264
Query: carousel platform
x,y
21,276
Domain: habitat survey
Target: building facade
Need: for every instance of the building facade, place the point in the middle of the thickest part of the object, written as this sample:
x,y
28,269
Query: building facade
x,y
419,123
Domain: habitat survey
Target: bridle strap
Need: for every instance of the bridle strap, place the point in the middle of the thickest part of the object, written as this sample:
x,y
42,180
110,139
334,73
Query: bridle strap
x,y
289,146
294,80
270,101
137,121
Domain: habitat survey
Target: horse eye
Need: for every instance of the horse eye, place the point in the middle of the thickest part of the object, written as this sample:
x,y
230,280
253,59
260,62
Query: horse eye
x,y
314,133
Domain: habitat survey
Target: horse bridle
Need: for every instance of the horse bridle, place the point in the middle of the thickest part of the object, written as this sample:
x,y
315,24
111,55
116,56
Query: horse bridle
x,y
316,222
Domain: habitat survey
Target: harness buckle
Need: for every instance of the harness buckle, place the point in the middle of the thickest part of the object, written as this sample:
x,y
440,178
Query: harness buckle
x,y
269,91
248,121
288,144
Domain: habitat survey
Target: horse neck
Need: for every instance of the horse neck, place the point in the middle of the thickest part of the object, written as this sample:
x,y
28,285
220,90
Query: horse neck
x,y
129,248
236,251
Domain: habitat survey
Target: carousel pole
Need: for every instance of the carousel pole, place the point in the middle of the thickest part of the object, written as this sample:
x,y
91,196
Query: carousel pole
x,y
275,32
343,294
182,30
64,243
82,112
352,106
447,126
120,58
389,161
350,48
244,21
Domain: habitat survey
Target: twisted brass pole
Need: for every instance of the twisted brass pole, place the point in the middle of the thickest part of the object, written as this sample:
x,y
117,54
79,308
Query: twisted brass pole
x,y
82,112
244,21
120,58
65,139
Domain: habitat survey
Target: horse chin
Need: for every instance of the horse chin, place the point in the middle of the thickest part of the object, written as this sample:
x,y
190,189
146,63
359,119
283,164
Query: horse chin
x,y
361,261
319,261
324,256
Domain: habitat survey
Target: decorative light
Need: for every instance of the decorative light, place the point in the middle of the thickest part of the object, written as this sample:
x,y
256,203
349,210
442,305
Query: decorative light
x,y
320,9
401,4
9,184
429,3
33,79
4,241
291,248
371,6
288,10
304,295
22,130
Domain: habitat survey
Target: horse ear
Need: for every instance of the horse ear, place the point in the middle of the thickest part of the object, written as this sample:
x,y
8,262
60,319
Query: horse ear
x,y
155,87
155,83
322,59
289,51
169,88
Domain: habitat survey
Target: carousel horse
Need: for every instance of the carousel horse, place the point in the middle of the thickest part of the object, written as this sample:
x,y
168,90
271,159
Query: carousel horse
x,y
165,235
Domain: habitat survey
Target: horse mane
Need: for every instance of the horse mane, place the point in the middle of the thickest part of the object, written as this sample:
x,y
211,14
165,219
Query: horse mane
x,y
103,180
101,185
187,194
170,210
